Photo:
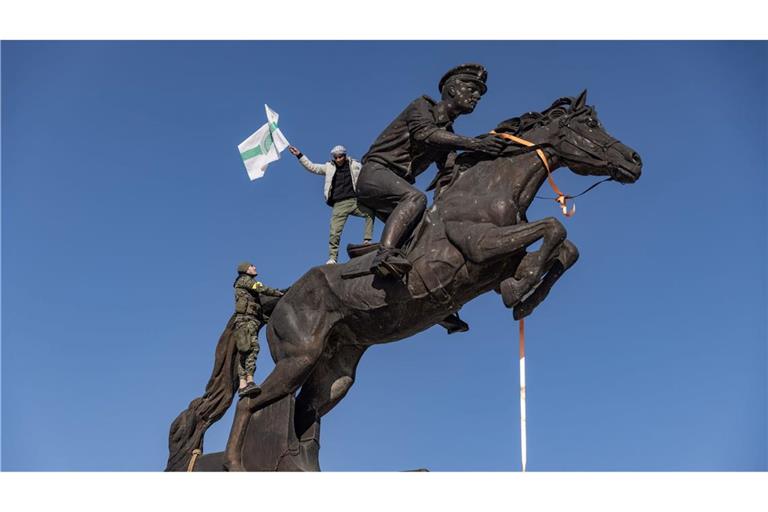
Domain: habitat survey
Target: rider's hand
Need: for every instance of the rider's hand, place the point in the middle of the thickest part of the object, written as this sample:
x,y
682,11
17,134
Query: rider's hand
x,y
294,150
490,145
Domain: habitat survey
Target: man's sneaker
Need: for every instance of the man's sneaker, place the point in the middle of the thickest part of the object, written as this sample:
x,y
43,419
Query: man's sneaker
x,y
250,390
330,261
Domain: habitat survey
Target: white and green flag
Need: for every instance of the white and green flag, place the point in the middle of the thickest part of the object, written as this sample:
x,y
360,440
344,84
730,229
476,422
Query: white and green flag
x,y
263,147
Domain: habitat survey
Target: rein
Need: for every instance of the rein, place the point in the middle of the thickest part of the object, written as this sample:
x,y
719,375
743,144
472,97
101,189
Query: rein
x,y
580,193
561,198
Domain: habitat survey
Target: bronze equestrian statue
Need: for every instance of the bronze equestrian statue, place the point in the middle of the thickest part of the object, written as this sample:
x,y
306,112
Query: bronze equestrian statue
x,y
472,240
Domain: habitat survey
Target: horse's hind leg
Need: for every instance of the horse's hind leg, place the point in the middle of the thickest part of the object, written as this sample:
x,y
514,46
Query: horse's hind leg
x,y
301,341
565,259
327,385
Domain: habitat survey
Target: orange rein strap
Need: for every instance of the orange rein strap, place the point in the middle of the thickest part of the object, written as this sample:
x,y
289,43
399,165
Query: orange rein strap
x,y
562,199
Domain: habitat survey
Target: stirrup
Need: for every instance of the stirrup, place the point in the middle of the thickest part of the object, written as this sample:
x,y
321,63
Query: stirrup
x,y
390,262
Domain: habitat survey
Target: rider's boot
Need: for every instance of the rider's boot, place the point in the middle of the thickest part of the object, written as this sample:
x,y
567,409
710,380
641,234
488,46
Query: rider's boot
x,y
452,323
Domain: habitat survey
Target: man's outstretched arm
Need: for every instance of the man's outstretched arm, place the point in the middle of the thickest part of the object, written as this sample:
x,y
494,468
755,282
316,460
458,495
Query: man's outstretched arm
x,y
306,162
260,287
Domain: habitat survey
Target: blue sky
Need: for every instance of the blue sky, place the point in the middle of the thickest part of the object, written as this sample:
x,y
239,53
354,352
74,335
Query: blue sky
x,y
125,209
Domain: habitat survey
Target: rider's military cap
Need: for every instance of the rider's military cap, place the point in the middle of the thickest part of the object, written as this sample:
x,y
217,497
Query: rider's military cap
x,y
471,72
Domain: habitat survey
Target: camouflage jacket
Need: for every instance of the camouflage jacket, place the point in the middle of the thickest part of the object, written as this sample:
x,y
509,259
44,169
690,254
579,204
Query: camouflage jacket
x,y
247,290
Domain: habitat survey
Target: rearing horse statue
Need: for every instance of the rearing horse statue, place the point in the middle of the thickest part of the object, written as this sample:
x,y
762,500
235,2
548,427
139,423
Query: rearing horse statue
x,y
472,240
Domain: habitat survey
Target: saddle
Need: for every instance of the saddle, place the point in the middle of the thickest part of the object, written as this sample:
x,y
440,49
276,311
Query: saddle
x,y
362,255
360,259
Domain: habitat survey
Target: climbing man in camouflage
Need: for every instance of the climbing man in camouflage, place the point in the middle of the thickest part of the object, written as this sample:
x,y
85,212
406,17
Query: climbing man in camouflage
x,y
249,318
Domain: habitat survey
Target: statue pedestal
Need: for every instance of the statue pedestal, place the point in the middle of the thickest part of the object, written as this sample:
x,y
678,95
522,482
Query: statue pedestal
x,y
271,443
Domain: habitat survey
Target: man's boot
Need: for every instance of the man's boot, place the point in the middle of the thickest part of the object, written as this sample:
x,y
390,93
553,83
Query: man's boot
x,y
251,389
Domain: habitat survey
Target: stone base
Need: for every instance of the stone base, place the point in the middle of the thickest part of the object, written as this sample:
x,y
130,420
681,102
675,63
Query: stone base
x,y
271,443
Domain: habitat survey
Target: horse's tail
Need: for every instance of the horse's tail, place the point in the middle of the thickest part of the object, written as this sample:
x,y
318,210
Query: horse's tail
x,y
188,429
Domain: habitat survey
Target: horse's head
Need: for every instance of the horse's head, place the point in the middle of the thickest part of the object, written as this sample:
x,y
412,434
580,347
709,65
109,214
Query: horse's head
x,y
585,147
571,128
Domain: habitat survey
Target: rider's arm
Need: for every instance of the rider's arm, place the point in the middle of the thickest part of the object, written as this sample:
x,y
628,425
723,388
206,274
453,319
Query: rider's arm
x,y
422,127
448,140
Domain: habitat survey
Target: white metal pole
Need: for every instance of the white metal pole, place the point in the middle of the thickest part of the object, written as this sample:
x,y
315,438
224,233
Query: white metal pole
x,y
523,440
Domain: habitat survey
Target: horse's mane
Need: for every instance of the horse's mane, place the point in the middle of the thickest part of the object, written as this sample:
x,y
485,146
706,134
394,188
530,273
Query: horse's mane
x,y
530,120
518,126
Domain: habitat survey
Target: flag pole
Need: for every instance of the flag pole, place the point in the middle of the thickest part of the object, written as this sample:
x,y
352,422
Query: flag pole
x,y
523,440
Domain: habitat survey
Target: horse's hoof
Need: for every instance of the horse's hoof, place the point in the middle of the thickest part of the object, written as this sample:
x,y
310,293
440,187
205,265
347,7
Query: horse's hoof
x,y
510,292
521,311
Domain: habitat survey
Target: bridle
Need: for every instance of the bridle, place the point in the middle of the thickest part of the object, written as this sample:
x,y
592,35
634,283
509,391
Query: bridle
x,y
562,199
604,147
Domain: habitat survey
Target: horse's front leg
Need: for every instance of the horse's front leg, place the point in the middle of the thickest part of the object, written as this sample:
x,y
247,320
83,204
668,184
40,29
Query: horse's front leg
x,y
485,242
567,256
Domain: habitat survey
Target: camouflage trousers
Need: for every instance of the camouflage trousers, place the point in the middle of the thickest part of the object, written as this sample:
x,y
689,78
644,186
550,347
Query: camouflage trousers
x,y
246,333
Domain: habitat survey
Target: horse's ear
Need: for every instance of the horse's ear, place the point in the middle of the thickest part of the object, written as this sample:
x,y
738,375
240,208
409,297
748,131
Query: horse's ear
x,y
580,101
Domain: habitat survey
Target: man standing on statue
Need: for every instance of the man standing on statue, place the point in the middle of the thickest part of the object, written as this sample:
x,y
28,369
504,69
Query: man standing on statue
x,y
340,193
420,135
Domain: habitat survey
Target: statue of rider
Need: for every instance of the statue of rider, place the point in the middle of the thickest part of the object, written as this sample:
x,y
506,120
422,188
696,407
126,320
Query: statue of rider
x,y
420,135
